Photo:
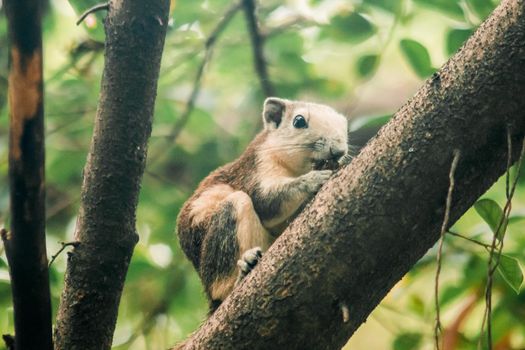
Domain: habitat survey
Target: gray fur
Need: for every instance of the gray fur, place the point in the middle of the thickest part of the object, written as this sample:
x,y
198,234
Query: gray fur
x,y
269,203
220,247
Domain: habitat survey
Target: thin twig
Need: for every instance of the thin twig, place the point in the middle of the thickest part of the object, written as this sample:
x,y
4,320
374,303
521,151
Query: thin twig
x,y
70,113
257,41
485,245
197,82
67,123
4,234
382,321
444,226
209,46
496,246
269,32
64,245
103,6
164,179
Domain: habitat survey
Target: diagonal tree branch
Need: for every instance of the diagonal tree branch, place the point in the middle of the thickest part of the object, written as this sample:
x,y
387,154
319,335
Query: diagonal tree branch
x,y
208,52
257,41
376,217
25,244
209,46
105,232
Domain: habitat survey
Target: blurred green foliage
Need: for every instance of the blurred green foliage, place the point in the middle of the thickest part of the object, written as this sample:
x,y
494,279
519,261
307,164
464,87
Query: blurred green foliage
x,y
418,57
363,57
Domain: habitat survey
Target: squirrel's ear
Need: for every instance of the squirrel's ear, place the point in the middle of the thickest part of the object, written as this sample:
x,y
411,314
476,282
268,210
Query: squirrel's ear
x,y
273,112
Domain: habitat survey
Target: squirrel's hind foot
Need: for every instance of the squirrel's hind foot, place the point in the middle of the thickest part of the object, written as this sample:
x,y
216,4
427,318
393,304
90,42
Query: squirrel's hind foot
x,y
248,261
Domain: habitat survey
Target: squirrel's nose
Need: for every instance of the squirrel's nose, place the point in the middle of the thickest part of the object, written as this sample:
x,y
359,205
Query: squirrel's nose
x,y
336,153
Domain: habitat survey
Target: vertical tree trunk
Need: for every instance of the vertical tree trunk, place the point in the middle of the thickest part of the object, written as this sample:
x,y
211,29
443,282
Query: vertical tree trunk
x,y
25,243
135,32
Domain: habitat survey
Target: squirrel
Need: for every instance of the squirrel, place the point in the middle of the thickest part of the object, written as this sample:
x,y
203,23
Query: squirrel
x,y
242,207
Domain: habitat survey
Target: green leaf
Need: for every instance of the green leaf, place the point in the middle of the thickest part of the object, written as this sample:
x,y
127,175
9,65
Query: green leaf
x,y
325,87
140,267
511,271
455,38
516,219
451,293
201,123
492,214
417,305
287,42
505,319
482,8
367,65
387,5
447,7
418,57
407,341
351,27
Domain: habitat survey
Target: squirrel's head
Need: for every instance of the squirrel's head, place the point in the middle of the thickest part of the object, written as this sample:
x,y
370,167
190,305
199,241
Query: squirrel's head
x,y
304,134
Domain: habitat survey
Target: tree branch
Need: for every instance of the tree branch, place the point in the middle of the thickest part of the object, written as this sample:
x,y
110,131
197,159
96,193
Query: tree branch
x,y
376,217
257,41
208,52
135,33
209,45
26,245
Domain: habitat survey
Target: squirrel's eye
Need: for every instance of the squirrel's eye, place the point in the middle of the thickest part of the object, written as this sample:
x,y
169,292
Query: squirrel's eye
x,y
299,122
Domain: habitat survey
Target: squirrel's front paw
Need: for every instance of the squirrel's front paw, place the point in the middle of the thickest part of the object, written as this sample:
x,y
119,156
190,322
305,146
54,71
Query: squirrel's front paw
x,y
248,261
313,180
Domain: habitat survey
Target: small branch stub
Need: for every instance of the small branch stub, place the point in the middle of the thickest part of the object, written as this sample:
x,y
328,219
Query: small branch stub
x,y
4,234
9,341
64,246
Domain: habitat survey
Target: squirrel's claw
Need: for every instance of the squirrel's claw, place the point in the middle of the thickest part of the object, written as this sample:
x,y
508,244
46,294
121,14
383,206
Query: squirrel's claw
x,y
248,261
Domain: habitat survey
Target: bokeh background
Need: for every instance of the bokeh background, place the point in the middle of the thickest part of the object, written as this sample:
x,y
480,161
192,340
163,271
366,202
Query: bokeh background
x,y
364,58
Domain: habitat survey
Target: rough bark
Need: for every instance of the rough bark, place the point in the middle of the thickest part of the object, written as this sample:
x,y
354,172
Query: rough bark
x,y
25,243
135,32
375,218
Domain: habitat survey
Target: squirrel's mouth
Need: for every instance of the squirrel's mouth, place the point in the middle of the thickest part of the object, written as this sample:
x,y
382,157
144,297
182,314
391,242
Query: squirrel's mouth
x,y
330,161
325,164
